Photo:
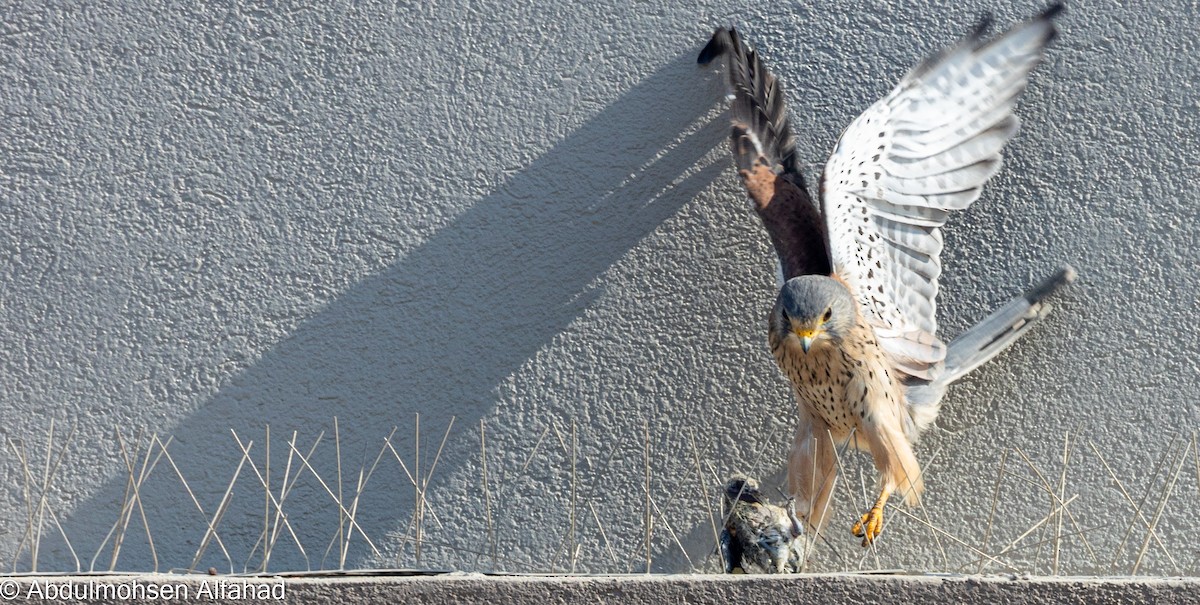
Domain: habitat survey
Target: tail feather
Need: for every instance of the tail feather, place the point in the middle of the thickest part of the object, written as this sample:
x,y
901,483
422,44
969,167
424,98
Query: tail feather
x,y
978,345
1000,329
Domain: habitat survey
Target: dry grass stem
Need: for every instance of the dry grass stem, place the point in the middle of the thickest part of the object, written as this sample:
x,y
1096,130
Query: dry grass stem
x,y
1162,504
987,533
1136,511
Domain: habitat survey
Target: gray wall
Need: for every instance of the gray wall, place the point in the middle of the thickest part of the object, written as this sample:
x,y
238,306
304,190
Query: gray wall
x,y
522,217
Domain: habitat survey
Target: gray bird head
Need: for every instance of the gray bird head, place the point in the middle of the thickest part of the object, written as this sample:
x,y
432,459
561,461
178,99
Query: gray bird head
x,y
813,309
741,488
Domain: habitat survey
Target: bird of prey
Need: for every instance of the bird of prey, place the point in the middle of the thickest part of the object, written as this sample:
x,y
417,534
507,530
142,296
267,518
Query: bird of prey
x,y
854,325
759,537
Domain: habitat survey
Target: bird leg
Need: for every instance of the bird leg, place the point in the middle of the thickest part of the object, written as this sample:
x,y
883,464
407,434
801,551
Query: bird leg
x,y
871,524
898,468
797,528
812,472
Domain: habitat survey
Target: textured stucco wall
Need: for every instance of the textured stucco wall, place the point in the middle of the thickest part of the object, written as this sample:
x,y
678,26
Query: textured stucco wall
x,y
522,217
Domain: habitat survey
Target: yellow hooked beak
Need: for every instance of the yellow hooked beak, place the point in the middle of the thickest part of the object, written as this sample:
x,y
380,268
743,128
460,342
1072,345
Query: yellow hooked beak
x,y
807,336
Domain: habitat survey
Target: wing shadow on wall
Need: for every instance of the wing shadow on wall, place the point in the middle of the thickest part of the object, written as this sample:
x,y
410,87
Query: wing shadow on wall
x,y
434,334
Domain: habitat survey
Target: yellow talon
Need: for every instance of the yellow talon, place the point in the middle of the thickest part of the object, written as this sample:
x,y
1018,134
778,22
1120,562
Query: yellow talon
x,y
870,526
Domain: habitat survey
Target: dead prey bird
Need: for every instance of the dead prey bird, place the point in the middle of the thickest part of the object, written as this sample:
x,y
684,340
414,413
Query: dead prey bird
x,y
759,537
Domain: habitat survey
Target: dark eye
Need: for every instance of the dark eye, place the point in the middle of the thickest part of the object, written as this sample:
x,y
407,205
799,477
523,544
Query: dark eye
x,y
828,314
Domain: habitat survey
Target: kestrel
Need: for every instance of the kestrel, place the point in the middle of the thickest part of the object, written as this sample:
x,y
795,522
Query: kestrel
x,y
759,537
854,325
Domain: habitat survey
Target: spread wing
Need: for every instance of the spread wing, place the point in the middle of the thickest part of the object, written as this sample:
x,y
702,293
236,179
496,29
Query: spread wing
x,y
908,161
765,153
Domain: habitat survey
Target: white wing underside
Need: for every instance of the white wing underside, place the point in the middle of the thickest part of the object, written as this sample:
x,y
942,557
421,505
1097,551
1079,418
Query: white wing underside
x,y
899,169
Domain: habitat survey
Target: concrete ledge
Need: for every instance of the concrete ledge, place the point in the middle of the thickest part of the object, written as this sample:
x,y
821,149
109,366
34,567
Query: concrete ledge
x,y
546,590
